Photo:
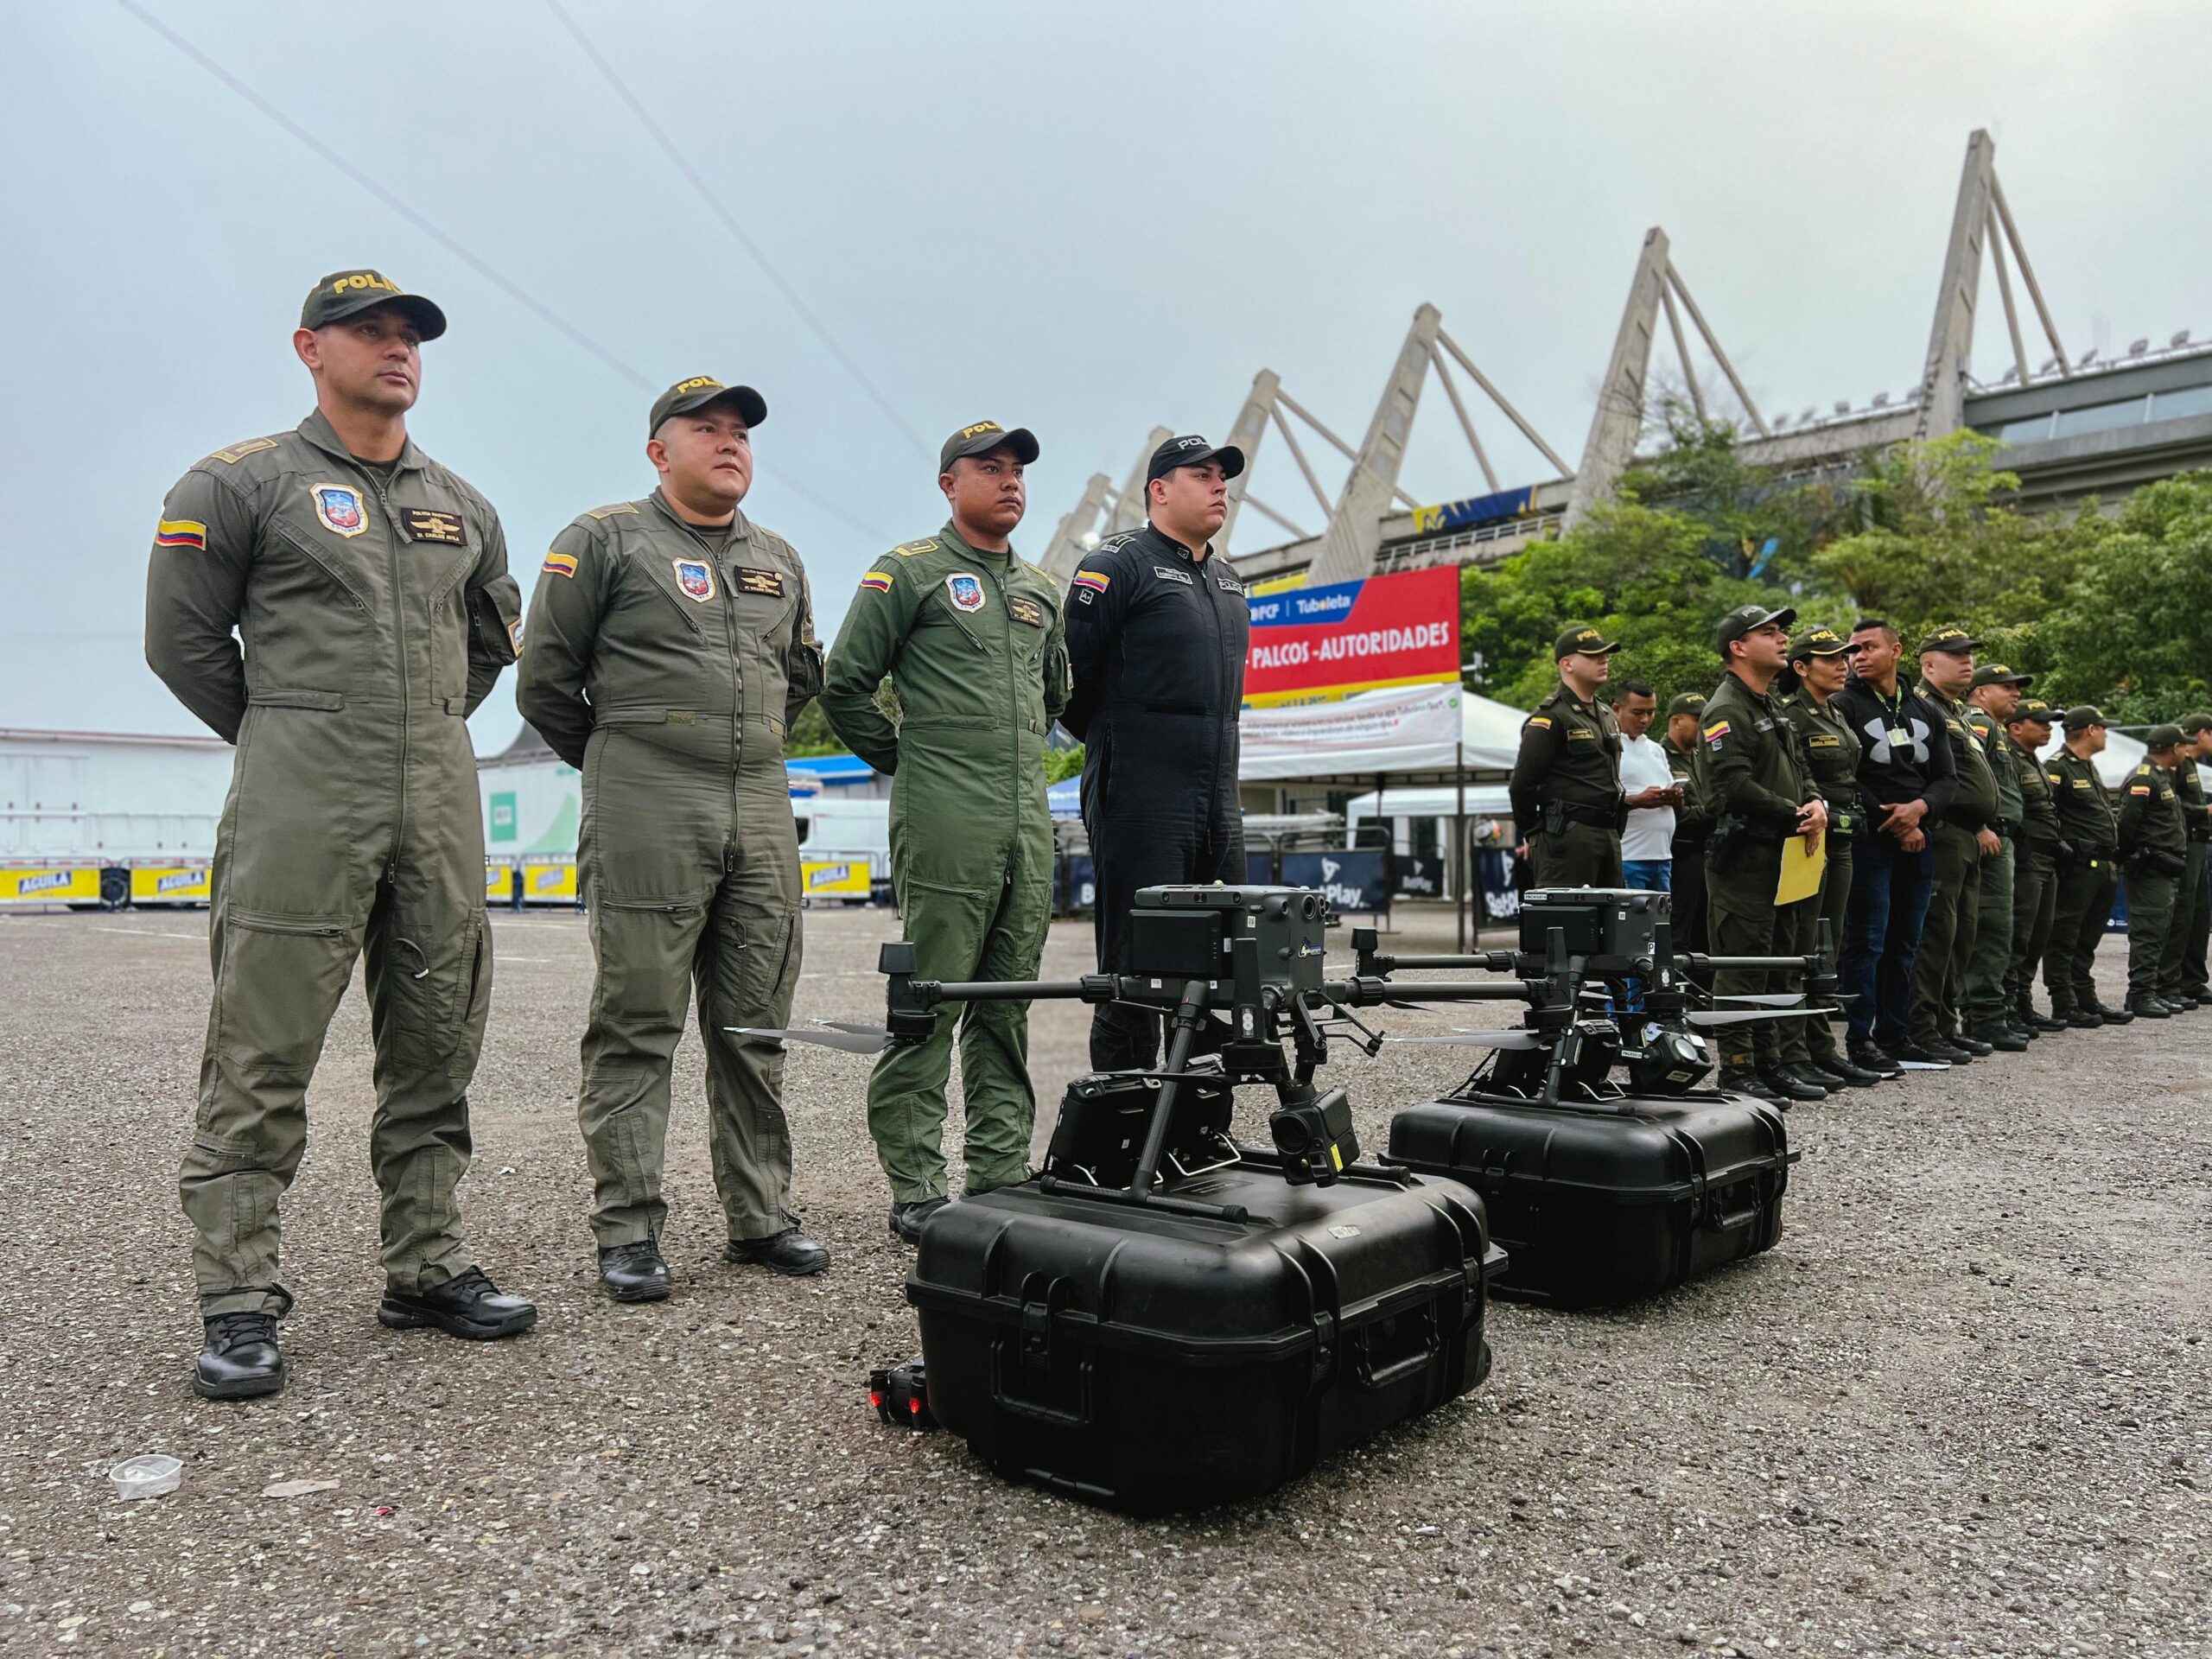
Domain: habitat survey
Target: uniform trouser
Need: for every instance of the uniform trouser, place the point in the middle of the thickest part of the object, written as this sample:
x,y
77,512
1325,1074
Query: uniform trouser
x,y
1131,854
989,932
279,974
1947,940
1743,920
1887,908
2077,925
2182,973
1813,1041
736,945
1983,997
1686,906
1577,855
2035,901
2150,918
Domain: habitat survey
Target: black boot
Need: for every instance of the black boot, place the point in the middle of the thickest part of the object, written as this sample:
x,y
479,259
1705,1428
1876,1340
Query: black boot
x,y
790,1252
1999,1036
468,1305
1743,1080
2114,1016
241,1359
1799,1078
1851,1075
633,1273
2148,1007
1871,1056
907,1220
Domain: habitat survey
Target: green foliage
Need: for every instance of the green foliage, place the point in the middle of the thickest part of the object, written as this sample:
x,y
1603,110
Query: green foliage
x,y
810,734
1062,764
2135,634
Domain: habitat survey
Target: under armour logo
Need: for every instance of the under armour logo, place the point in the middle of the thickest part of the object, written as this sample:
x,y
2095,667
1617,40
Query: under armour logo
x,y
1877,733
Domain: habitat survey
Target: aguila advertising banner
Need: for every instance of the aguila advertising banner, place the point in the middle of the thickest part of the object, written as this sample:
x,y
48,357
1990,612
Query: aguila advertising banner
x,y
1311,643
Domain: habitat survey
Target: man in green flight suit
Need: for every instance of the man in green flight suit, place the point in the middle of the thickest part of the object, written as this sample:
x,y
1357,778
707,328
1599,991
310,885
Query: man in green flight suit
x,y
335,603
2181,982
2088,876
1819,658
1985,1005
2153,851
2035,867
1750,777
1957,843
1566,787
971,638
671,647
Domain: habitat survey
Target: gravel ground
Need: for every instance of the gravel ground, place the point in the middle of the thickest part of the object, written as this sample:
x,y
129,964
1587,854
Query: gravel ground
x,y
1961,1407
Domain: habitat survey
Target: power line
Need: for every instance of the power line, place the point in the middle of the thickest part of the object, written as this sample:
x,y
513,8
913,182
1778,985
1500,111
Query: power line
x,y
513,291
729,223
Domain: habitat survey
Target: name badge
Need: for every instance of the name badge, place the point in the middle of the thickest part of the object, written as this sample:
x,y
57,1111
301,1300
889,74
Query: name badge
x,y
1898,734
769,583
1168,574
428,525
1025,610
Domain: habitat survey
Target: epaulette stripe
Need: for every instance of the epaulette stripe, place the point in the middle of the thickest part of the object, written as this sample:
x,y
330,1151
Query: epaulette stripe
x,y
608,512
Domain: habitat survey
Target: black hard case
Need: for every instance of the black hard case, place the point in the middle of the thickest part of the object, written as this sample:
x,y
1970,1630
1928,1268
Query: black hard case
x,y
1605,1203
1160,1362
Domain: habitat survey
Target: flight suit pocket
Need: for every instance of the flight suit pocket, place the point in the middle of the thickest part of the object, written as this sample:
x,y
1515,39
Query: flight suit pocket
x,y
495,621
437,990
276,985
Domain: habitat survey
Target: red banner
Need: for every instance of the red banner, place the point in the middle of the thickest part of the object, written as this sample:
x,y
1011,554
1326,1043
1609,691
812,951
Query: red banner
x,y
1309,643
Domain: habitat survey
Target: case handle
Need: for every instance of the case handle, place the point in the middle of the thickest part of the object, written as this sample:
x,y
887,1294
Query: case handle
x,y
1368,1375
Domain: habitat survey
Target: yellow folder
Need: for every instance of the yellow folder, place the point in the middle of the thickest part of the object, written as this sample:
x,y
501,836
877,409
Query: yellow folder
x,y
1801,870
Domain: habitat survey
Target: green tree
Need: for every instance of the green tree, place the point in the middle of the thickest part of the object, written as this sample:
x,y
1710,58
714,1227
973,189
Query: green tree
x,y
2133,634
810,734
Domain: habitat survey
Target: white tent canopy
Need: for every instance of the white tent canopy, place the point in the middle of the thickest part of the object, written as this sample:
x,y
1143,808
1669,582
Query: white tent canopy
x,y
1425,731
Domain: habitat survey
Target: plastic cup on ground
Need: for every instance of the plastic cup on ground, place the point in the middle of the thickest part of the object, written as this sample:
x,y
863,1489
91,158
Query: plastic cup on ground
x,y
148,1475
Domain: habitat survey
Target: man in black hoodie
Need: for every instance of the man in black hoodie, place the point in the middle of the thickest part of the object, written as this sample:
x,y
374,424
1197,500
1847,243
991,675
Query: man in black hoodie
x,y
1906,777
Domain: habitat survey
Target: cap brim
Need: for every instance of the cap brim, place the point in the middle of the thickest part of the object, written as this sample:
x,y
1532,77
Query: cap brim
x,y
751,408
428,320
1020,439
1231,458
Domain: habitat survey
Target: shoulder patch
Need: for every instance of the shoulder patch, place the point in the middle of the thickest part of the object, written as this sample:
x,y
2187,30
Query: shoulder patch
x,y
609,512
1096,580
231,456
926,544
1541,722
559,565
877,582
181,532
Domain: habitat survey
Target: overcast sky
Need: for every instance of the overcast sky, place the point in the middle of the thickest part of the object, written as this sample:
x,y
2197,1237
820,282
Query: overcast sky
x,y
1084,220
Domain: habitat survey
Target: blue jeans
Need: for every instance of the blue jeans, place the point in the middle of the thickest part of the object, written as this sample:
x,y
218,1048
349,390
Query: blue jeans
x,y
1890,890
1649,876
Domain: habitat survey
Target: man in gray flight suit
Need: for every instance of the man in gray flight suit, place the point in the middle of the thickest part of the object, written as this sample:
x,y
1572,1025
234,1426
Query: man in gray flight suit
x,y
971,636
671,647
335,603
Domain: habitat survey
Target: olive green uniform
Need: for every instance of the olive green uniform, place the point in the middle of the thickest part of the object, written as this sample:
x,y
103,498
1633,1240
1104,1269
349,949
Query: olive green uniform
x,y
2153,851
2035,879
2087,878
667,662
1831,756
374,610
1567,794
2181,975
1947,940
974,645
1752,778
1686,903
1983,997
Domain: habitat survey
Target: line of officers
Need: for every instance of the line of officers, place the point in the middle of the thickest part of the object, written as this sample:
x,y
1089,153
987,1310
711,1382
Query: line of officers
x,y
1959,862
335,603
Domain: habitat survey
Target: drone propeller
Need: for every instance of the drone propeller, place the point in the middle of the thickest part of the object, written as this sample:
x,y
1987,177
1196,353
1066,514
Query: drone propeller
x,y
839,1034
1766,1000
1518,1040
1744,1016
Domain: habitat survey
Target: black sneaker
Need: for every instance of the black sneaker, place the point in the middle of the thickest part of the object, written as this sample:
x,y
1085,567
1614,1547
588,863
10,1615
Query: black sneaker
x,y
241,1359
907,1220
468,1305
1941,1048
1868,1057
790,1252
1823,1072
1789,1080
633,1273
1921,1059
1742,1080
1850,1075
1975,1047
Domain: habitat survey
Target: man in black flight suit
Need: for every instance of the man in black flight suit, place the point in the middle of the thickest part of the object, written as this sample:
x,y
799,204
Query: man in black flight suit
x,y
1157,630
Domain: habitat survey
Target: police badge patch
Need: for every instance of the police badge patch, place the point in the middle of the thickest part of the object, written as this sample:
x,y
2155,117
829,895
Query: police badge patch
x,y
967,591
340,508
696,578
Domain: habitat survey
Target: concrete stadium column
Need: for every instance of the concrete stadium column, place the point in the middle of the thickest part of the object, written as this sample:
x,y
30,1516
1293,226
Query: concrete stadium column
x,y
1950,341
1355,529
1619,423
1245,433
1066,548
1129,507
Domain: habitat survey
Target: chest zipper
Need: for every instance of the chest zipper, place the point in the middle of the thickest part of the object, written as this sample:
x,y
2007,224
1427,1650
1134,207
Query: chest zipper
x,y
406,686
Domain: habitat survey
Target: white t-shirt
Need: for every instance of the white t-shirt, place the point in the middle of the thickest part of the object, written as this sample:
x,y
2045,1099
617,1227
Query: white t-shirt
x,y
1650,832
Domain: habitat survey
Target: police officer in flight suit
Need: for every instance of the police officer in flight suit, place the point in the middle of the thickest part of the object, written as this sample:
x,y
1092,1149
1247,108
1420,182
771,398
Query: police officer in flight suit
x,y
368,587
969,634
672,646
1566,788
1751,777
1158,630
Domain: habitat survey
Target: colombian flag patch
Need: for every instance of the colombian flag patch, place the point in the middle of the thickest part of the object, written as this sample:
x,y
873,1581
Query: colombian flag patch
x,y
877,582
1544,720
181,532
2138,789
1718,729
560,564
1094,580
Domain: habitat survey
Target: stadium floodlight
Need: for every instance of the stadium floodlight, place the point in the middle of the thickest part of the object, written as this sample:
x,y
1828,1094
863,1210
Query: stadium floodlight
x,y
2179,340
2136,348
